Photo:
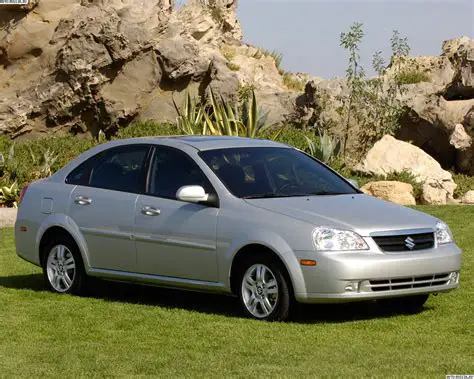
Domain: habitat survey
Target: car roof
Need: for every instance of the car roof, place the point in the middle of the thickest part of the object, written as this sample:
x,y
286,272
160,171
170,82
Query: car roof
x,y
202,143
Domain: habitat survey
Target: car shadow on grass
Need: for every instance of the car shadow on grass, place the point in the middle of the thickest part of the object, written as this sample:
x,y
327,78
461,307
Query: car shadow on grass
x,y
206,302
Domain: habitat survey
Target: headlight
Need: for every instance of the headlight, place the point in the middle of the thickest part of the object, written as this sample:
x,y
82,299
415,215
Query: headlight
x,y
443,234
329,239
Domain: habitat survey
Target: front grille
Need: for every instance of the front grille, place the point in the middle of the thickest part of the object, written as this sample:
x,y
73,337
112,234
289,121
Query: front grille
x,y
405,242
426,281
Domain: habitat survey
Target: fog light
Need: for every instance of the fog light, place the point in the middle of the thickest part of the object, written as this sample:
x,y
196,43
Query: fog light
x,y
453,277
352,287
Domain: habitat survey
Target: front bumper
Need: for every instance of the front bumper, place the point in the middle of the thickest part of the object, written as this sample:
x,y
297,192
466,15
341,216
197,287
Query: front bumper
x,y
356,276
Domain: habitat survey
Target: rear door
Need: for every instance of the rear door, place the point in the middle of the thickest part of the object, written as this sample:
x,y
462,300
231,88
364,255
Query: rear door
x,y
175,238
103,204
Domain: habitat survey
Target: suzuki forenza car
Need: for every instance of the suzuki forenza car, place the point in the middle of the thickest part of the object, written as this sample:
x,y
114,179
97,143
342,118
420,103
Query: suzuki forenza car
x,y
253,218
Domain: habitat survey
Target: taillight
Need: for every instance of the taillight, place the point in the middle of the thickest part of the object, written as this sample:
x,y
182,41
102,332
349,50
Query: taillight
x,y
22,193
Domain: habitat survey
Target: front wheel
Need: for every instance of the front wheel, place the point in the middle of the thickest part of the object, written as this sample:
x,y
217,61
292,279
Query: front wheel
x,y
62,267
264,291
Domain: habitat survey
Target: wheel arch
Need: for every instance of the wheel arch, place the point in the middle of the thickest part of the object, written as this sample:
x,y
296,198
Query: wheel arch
x,y
61,224
250,250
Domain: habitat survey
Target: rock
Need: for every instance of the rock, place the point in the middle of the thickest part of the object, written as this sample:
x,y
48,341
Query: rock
x,y
468,197
460,52
390,155
90,65
430,123
434,194
396,192
7,217
459,138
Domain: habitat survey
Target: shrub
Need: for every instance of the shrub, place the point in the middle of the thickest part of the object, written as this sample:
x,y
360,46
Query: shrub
x,y
293,83
411,77
277,57
245,92
233,66
228,52
9,195
35,159
295,137
147,129
465,183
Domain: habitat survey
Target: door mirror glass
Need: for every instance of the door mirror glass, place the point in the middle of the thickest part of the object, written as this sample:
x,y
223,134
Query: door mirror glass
x,y
192,194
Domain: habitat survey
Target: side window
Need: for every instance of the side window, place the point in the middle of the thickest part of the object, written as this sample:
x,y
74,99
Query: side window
x,y
80,175
120,169
171,170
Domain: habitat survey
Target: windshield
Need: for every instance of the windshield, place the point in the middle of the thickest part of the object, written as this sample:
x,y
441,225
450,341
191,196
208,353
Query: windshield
x,y
264,172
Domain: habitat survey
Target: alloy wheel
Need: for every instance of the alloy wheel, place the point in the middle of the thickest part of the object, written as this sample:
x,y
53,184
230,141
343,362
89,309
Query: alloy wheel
x,y
61,268
259,290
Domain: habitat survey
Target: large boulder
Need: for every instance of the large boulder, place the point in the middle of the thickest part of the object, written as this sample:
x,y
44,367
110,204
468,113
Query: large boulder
x,y
390,155
396,192
468,197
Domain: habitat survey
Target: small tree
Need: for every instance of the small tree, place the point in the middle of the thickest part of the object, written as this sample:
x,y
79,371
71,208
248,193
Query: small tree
x,y
371,104
355,76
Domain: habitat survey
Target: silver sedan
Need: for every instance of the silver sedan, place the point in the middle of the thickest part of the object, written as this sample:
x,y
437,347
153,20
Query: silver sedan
x,y
252,218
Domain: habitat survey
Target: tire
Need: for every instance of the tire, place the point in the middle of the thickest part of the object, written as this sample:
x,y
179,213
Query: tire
x,y
263,289
408,304
63,269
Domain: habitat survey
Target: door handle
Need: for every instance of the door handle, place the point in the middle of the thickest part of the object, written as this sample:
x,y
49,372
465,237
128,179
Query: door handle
x,y
82,200
150,211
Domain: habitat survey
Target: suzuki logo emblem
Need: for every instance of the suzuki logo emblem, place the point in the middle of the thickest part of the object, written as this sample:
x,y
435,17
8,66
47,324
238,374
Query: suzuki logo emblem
x,y
410,243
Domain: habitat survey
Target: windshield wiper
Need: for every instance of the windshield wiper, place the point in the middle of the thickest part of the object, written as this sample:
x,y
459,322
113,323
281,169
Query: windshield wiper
x,y
273,195
327,193
261,196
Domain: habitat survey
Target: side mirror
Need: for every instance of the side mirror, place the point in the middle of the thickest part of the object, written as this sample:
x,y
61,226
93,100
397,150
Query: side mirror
x,y
192,194
354,183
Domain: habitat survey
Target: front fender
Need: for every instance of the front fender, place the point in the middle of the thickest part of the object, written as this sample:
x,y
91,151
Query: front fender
x,y
271,241
68,224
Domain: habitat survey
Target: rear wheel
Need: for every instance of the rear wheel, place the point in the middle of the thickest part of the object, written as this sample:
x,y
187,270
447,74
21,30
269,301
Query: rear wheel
x,y
410,304
263,290
62,266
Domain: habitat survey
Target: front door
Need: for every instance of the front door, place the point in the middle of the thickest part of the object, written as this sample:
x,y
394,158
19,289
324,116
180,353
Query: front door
x,y
103,205
174,238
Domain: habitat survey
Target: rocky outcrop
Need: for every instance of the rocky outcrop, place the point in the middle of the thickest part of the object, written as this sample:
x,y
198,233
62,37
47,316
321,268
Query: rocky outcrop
x,y
436,107
86,65
390,155
396,192
441,99
460,52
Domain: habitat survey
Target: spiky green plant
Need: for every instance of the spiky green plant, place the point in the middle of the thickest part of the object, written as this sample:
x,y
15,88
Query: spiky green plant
x,y
327,150
220,118
255,121
190,117
9,196
45,163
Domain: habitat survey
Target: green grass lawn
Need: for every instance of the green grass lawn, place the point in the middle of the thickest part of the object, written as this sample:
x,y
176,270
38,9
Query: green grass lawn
x,y
125,330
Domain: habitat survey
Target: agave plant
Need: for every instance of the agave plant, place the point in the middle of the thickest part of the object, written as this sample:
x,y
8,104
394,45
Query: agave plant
x,y
222,121
9,195
254,120
220,118
327,150
190,118
46,162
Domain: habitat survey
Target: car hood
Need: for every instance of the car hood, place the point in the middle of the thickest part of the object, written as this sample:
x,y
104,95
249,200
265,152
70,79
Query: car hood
x,y
359,212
